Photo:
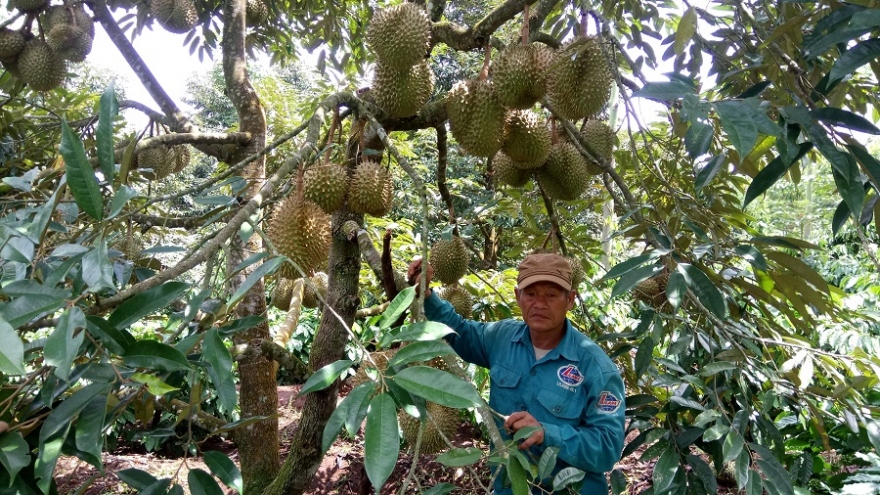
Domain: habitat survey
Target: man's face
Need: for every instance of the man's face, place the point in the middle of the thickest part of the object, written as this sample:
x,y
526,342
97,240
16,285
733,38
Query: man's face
x,y
544,305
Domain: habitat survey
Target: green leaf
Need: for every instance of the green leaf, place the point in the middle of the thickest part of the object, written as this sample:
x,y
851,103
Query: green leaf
x,y
715,432
644,355
768,176
525,432
440,489
147,302
687,403
755,90
60,272
845,118
116,341
671,90
223,467
241,423
325,376
263,270
420,351
709,170
752,255
712,369
24,309
62,346
732,446
741,469
847,175
755,486
154,384
202,483
217,355
381,440
567,476
14,453
739,124
776,478
628,265
704,473
97,272
460,457
438,386
47,457
676,289
872,427
155,355
517,476
857,56
64,414
335,422
423,330
687,26
241,324
11,350
706,292
107,110
398,306
870,165
665,469
80,177
136,478
359,399
89,433
122,196
159,487
618,482
633,277
547,462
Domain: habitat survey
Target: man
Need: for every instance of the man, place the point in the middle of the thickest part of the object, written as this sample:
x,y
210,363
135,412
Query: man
x,y
544,372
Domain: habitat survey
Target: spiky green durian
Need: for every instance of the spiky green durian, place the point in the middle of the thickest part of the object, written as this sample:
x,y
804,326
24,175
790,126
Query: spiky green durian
x,y
519,75
282,293
257,12
180,157
460,299
598,136
11,44
579,82
378,361
370,190
326,185
158,159
70,42
441,419
300,230
564,176
652,291
402,93
28,5
130,246
68,15
40,67
475,117
176,16
507,173
526,139
399,36
450,260
311,291
577,272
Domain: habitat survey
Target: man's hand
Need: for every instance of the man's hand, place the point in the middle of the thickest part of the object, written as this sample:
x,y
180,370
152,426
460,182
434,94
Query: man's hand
x,y
521,419
415,270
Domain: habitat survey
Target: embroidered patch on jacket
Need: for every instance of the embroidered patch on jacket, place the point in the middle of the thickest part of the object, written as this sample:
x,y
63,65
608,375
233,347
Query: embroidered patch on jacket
x,y
570,375
608,403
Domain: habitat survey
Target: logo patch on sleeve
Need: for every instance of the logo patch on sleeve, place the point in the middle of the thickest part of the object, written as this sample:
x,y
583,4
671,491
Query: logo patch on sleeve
x,y
608,403
570,375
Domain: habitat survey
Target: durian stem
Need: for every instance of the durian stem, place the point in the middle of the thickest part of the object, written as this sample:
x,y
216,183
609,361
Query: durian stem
x,y
442,163
10,20
554,221
487,58
584,25
525,25
330,134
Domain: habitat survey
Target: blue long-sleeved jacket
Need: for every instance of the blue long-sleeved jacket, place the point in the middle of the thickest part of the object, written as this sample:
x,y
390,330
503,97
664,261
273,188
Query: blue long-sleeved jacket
x,y
575,391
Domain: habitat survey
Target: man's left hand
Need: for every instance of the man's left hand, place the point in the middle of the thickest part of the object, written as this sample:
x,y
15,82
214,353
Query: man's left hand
x,y
521,419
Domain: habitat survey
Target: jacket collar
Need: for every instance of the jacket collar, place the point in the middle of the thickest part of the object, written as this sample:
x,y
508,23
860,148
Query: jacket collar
x,y
566,347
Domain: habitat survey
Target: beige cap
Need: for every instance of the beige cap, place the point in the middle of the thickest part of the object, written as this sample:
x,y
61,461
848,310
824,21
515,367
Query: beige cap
x,y
544,267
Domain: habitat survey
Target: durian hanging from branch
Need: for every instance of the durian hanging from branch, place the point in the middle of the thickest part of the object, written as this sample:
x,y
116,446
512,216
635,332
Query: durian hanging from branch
x,y
475,116
326,183
300,230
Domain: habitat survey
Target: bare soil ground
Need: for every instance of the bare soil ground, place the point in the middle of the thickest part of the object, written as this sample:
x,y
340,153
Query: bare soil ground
x,y
341,472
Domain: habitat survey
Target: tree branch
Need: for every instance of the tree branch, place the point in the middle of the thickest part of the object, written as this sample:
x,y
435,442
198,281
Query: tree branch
x,y
470,38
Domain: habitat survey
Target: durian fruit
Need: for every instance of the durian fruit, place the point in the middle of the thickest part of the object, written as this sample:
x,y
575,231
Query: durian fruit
x,y
256,12
652,291
11,67
399,36
131,246
64,15
370,189
526,139
577,272
600,138
564,176
179,156
70,42
507,173
579,81
475,117
326,185
11,44
176,16
403,92
450,260
460,299
282,293
441,419
28,5
379,362
310,297
160,159
519,75
40,67
300,230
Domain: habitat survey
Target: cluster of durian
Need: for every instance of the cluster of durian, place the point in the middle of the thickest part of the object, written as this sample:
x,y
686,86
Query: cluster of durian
x,y
399,37
41,62
369,191
652,291
162,160
494,118
175,16
449,259
314,291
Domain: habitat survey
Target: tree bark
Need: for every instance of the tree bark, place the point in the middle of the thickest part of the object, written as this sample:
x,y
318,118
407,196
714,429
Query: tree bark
x,y
258,443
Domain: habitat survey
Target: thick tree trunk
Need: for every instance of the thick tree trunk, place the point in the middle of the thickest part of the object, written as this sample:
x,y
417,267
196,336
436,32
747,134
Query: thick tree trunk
x,y
257,443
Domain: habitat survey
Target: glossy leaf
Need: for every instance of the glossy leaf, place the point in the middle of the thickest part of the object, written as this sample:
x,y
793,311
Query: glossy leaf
x,y
870,165
547,462
715,432
665,469
223,468
755,486
844,118
676,289
440,489
359,399
14,453
709,170
705,289
325,376
217,355
89,432
122,196
632,278
439,386
517,476
335,422
47,457
154,384
80,177
671,90
66,411
776,478
644,355
755,90
136,478
24,309
398,306
458,457
11,350
241,423
116,341
567,476
62,346
687,26
155,355
146,303
703,472
423,330
202,483
739,125
97,272
628,266
742,469
857,56
381,440
732,446
846,172
267,268
420,351
108,108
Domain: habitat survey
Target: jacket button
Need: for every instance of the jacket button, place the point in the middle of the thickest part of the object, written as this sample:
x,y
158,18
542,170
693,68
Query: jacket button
x,y
532,372
524,408
557,409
